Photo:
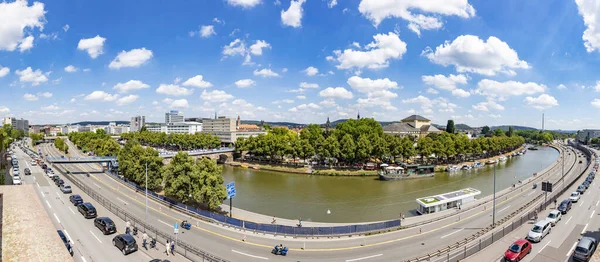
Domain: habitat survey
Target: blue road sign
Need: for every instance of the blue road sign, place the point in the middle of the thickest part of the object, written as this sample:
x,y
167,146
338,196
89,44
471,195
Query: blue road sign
x,y
176,226
230,189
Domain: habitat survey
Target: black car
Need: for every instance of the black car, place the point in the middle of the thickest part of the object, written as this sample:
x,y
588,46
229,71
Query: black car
x,y
44,166
581,189
565,206
125,243
65,241
106,225
76,199
27,171
59,182
55,178
586,184
87,210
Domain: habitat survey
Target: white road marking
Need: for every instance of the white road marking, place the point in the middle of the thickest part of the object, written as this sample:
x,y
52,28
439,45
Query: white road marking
x,y
592,214
48,204
569,220
164,222
597,202
531,193
38,185
96,184
571,250
584,228
56,217
234,251
82,258
544,246
122,200
57,194
452,233
357,259
580,204
71,210
503,209
95,236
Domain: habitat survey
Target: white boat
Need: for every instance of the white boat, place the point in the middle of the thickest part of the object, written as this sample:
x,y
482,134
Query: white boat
x,y
478,164
502,158
452,168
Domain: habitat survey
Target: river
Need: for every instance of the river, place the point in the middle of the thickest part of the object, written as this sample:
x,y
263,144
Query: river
x,y
360,199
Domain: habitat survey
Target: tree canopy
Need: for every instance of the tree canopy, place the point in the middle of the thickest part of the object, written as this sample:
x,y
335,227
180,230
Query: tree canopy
x,y
177,141
60,144
450,127
98,142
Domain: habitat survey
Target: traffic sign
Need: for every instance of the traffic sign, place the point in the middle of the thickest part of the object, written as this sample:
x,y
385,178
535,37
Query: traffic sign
x,y
230,190
547,186
176,228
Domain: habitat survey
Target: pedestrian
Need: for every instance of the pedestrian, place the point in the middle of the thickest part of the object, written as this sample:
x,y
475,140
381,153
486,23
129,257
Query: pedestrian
x,y
144,239
127,226
173,248
403,217
274,221
167,248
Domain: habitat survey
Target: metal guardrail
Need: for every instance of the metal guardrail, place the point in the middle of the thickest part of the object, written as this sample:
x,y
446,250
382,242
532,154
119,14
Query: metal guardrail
x,y
183,247
454,252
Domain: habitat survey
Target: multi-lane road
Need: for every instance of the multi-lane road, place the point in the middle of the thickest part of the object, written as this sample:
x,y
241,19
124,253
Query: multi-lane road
x,y
229,243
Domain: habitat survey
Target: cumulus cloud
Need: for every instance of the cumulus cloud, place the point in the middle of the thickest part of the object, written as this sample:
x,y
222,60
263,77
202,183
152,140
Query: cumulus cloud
x,y
215,96
428,105
30,97
45,94
256,48
180,103
4,110
468,53
377,91
66,28
93,46
377,54
50,108
432,91
541,102
311,71
36,77
244,3
132,58
308,85
265,72
16,18
561,86
207,30
4,71
101,96
130,86
332,3
589,10
71,69
420,15
197,81
173,90
293,16
487,106
243,83
443,82
595,103
304,107
284,101
127,100
460,93
493,88
336,92
238,48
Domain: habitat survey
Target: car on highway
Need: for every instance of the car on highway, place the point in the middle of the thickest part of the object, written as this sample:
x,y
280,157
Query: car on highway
x,y
66,188
65,241
16,180
585,249
27,171
126,243
575,197
59,182
581,189
87,210
565,206
76,199
33,163
106,225
517,251
539,231
554,216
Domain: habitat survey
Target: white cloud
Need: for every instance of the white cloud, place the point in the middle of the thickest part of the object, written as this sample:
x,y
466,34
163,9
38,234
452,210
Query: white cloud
x,y
468,53
30,97
101,95
215,96
180,103
244,3
36,77
4,109
52,36
236,47
56,81
417,100
66,28
16,18
311,71
283,70
378,54
71,69
561,86
93,46
589,10
127,100
207,30
460,93
332,3
132,58
284,101
256,48
596,87
428,14
87,70
487,106
336,92
216,20
365,85
496,116
265,72
301,97
45,94
493,88
595,103
428,105
541,102
445,82
4,71
26,44
309,85
130,86
197,81
304,107
432,91
293,16
50,108
243,83
173,90
328,103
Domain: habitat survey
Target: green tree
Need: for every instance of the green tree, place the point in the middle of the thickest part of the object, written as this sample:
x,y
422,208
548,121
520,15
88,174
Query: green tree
x,y
182,178
363,148
143,129
212,192
133,159
510,131
450,126
498,132
348,148
485,130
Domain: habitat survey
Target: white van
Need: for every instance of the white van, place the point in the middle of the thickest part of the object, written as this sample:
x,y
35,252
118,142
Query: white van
x,y
539,231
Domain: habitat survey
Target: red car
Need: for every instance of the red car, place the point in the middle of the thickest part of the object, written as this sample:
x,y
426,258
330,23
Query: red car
x,y
517,250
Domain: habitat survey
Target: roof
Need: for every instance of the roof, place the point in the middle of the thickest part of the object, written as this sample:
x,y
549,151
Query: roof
x,y
429,128
415,117
400,127
521,241
448,197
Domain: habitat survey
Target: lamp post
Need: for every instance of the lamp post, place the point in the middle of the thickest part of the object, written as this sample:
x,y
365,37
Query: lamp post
x,y
494,204
146,193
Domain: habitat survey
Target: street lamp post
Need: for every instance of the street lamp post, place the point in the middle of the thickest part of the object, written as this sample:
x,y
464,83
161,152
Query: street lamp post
x,y
494,204
146,193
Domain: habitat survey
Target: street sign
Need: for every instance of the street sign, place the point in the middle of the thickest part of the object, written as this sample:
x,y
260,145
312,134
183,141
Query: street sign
x,y
176,228
546,186
230,190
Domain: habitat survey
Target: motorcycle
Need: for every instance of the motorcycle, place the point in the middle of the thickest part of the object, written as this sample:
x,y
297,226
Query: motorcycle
x,y
153,243
135,231
279,251
186,225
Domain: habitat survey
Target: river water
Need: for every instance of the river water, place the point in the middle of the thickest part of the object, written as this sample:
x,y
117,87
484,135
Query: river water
x,y
361,199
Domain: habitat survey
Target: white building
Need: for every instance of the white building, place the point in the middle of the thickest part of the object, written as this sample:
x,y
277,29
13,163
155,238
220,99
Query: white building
x,y
586,135
173,116
20,124
219,124
177,128
137,122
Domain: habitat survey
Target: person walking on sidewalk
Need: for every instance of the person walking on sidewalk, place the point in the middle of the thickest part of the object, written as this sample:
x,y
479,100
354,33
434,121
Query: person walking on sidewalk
x,y
167,246
127,227
144,240
173,248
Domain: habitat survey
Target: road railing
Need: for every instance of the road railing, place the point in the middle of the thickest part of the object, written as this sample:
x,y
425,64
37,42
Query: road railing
x,y
485,237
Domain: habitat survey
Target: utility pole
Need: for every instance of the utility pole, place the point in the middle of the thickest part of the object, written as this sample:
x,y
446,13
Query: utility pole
x,y
563,169
146,193
494,207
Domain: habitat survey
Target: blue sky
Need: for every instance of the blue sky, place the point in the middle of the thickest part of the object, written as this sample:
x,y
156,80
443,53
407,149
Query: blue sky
x,y
478,62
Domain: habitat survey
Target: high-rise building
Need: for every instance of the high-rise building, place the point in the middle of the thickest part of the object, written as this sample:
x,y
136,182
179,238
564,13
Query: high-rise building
x,y
173,116
220,124
20,124
137,122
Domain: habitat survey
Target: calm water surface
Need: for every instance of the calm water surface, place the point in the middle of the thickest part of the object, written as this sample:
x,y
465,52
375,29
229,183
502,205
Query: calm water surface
x,y
359,199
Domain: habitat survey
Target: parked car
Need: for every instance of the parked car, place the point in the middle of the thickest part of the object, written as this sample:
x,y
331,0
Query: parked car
x,y
106,225
565,206
554,216
581,189
586,184
16,180
126,243
65,241
66,188
59,182
16,172
585,249
539,231
518,250
575,197
87,210
76,199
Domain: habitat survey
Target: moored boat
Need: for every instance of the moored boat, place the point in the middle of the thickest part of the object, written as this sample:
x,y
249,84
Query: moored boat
x,y
389,173
491,162
466,167
502,158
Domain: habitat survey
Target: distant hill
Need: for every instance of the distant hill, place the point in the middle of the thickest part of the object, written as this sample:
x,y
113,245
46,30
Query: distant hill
x,y
505,128
456,126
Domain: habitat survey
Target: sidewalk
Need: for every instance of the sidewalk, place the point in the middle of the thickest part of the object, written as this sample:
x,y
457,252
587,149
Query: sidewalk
x,y
159,251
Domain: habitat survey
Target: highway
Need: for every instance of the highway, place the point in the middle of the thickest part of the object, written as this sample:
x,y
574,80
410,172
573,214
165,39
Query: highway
x,y
404,244
89,244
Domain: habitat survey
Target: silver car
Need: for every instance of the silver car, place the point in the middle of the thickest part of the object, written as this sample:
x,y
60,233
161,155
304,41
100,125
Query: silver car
x,y
584,249
65,188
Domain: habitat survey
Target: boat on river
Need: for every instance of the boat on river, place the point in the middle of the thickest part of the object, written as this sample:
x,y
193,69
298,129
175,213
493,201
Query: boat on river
x,y
452,168
502,158
491,162
466,167
405,171
533,148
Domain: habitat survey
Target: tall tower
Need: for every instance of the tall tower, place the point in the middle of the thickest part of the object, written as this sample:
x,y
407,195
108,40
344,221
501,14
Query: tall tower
x,y
215,114
327,125
542,122
239,122
358,115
